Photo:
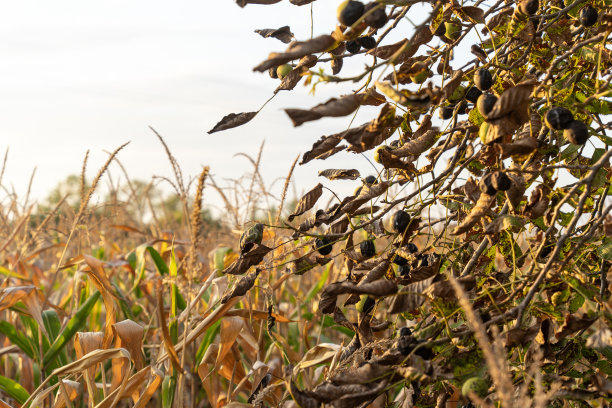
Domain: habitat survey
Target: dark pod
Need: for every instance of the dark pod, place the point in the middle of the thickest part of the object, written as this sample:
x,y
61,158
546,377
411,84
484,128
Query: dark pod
x,y
412,248
353,46
577,132
485,103
401,219
367,248
529,7
323,245
349,12
404,270
472,94
486,185
378,18
500,181
405,331
399,260
370,180
588,16
483,79
446,112
423,262
558,118
367,42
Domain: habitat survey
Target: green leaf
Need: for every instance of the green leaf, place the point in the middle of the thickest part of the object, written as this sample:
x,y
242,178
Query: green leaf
x,y
74,324
160,264
14,390
168,389
576,303
17,338
605,251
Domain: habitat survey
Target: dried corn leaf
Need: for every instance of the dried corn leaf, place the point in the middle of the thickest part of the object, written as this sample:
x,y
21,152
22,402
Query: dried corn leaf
x,y
233,120
296,50
303,399
307,202
283,34
252,258
340,174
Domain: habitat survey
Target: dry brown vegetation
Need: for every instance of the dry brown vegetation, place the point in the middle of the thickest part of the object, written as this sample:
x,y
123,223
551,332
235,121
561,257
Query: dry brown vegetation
x,y
468,271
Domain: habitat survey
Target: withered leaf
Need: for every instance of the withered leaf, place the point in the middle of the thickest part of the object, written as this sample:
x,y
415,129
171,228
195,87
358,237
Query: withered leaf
x,y
386,51
371,97
303,399
327,392
375,274
504,222
336,65
367,193
340,174
354,399
410,297
233,120
444,289
322,146
517,189
334,107
498,19
296,50
513,99
485,202
283,34
419,145
520,336
291,80
307,201
381,287
242,287
418,274
471,13
339,227
538,202
452,84
574,324
360,375
521,147
252,258
300,2
243,3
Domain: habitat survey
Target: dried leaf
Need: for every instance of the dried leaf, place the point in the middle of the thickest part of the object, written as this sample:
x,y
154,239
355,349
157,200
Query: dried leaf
x,y
419,145
515,99
232,120
516,191
504,222
521,147
243,3
316,355
381,287
283,34
386,51
471,13
444,289
485,202
252,258
452,84
367,193
332,108
303,399
242,287
307,202
297,50
293,78
574,324
410,297
324,145
340,174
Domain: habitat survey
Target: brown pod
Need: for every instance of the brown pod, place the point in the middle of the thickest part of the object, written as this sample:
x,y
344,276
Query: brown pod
x,y
528,7
336,65
501,181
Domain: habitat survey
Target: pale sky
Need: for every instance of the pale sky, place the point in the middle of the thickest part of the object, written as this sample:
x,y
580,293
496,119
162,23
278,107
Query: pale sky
x,y
79,75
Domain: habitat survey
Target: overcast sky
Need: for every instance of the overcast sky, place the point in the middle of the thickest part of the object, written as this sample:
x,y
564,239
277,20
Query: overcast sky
x,y
78,76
